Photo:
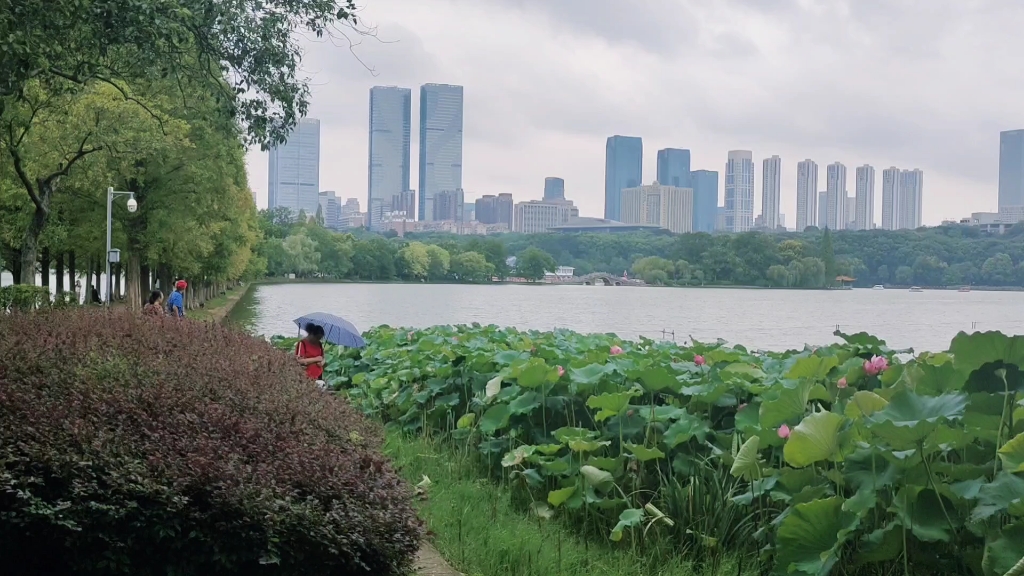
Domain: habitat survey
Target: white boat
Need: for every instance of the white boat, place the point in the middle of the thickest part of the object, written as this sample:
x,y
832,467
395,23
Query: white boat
x,y
964,289
916,289
878,287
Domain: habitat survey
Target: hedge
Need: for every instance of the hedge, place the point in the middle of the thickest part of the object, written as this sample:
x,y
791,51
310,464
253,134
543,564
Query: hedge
x,y
145,446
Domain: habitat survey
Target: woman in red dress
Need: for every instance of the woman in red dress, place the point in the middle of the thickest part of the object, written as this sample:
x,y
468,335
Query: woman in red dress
x,y
310,351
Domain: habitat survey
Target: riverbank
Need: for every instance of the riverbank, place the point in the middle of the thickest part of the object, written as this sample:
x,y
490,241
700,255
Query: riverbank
x,y
219,308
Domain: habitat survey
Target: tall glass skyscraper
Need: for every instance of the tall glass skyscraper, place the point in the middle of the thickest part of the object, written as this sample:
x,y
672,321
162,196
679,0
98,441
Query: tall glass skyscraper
x,y
806,194
739,191
390,143
440,143
623,168
674,167
294,170
705,199
554,188
1011,168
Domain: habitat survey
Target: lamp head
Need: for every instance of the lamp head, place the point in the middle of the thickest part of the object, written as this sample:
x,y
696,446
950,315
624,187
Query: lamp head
x,y
132,204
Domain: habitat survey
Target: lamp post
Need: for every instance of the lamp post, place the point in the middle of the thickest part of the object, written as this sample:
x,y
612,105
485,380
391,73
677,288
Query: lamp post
x,y
115,255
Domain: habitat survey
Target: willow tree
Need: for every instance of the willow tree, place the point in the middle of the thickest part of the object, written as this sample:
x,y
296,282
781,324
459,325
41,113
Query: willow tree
x,y
61,47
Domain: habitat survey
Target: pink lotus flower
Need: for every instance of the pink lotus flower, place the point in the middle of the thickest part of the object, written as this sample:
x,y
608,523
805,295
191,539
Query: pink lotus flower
x,y
875,366
741,406
615,350
455,339
842,382
784,431
699,360
561,371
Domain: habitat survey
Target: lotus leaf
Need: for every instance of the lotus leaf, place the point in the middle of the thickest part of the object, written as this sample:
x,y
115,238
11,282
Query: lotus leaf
x,y
644,454
493,387
1004,494
747,464
595,477
1012,454
812,535
610,404
816,438
864,403
558,497
628,519
466,420
535,373
658,379
495,418
1004,551
685,428
526,403
910,417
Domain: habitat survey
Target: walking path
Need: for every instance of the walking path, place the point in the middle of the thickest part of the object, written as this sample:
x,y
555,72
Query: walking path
x,y
430,563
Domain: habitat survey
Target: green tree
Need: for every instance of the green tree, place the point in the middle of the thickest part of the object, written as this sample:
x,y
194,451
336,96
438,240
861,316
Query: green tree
x,y
683,271
904,275
778,275
415,261
828,256
653,269
472,267
532,263
998,270
303,258
439,262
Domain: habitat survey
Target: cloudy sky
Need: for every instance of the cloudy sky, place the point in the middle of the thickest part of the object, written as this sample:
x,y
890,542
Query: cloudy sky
x,y
912,83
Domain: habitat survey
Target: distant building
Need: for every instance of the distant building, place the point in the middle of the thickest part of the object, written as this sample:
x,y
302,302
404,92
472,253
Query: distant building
x,y
660,205
806,194
623,168
538,216
822,208
491,209
351,217
835,210
294,170
601,226
864,205
851,212
739,191
705,200
561,274
674,167
404,202
890,198
469,212
996,222
440,143
330,207
1011,168
771,192
390,142
554,188
448,206
910,199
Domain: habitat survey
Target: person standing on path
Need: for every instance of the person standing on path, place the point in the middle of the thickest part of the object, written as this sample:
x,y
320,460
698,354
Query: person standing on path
x,y
176,301
310,351
154,306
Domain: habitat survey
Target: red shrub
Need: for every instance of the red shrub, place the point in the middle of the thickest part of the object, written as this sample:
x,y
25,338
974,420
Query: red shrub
x,y
153,446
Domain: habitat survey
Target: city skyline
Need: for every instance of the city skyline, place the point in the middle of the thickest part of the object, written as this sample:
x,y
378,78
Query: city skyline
x,y
389,172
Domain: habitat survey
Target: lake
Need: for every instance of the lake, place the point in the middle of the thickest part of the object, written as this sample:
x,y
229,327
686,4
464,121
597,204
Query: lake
x,y
756,318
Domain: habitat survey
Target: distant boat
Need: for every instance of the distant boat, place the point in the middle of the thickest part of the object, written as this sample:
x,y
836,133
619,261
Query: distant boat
x,y
878,287
916,289
964,289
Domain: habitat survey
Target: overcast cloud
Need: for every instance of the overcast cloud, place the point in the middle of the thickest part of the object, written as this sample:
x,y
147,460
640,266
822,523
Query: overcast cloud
x,y
912,83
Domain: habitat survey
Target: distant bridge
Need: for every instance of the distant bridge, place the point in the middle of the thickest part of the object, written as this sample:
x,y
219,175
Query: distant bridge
x,y
603,279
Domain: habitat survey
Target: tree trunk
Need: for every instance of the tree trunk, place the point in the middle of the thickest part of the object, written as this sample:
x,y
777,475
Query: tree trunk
x,y
116,272
16,270
30,246
59,267
73,276
145,281
44,268
164,276
133,285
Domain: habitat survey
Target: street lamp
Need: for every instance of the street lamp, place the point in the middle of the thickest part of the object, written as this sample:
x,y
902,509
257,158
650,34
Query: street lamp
x,y
114,256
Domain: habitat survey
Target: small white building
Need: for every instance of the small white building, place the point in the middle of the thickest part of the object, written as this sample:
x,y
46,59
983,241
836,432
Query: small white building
x,y
561,274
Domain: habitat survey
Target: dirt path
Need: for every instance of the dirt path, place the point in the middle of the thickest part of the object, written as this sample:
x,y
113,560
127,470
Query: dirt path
x,y
430,563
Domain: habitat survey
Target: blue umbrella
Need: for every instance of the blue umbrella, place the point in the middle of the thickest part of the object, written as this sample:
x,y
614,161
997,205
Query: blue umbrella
x,y
337,330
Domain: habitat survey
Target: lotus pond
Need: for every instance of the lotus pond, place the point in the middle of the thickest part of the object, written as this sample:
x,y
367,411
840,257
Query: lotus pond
x,y
844,459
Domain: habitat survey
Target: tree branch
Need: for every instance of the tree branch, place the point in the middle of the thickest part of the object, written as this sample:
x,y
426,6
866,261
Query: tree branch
x,y
128,97
81,153
19,168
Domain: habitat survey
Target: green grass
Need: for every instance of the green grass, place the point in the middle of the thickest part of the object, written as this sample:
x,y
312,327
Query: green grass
x,y
476,527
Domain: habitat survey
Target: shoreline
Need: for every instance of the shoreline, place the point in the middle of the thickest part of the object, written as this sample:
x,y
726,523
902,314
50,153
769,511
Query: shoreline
x,y
219,309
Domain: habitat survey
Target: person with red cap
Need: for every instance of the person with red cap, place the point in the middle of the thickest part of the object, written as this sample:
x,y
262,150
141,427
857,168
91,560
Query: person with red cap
x,y
176,301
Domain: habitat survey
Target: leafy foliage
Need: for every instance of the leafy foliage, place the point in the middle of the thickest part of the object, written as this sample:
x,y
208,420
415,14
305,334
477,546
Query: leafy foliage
x,y
130,444
827,469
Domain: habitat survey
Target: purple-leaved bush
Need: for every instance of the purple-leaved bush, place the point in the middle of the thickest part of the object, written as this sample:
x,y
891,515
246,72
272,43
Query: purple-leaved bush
x,y
134,445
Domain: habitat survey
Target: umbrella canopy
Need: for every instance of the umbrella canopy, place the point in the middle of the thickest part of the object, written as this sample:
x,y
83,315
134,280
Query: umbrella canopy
x,y
337,330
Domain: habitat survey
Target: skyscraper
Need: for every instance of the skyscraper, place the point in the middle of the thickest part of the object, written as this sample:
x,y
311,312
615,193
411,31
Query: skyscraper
x,y
330,210
670,207
865,216
835,185
771,192
503,210
910,196
890,198
806,194
822,208
1011,168
390,141
448,206
739,191
674,167
294,169
554,188
705,199
623,168
440,143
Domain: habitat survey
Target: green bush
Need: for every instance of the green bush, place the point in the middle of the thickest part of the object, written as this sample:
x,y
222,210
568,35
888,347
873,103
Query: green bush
x,y
24,297
150,446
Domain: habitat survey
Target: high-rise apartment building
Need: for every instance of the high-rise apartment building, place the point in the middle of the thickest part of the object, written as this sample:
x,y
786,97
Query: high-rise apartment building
x,y
890,198
441,107
674,167
822,208
835,185
330,210
739,191
806,194
670,207
705,199
538,216
851,212
448,206
390,144
623,168
554,188
771,192
294,169
910,199
864,219
491,209
404,202
1011,169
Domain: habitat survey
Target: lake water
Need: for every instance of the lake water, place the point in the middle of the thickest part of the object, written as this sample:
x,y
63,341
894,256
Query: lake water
x,y
756,318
